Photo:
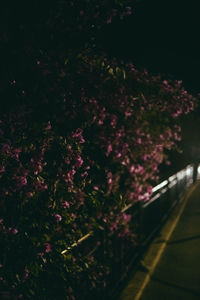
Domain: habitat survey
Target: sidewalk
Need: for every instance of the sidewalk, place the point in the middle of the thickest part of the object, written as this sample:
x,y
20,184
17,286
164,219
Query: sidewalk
x,y
172,263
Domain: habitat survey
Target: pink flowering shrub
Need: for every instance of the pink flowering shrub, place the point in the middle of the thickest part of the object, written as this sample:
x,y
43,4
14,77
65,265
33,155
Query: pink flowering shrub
x,y
81,137
72,171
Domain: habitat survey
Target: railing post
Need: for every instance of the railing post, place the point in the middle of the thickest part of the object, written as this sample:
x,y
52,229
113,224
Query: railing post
x,y
195,166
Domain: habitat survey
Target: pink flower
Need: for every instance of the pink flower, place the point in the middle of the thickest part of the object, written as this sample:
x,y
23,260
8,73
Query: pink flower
x,y
85,174
67,161
139,141
145,157
70,174
118,155
109,180
14,231
48,127
66,204
79,162
58,218
100,122
95,187
78,135
109,149
47,247
126,217
132,168
21,181
128,113
139,170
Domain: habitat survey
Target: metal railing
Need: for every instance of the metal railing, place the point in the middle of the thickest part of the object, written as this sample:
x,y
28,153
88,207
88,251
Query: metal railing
x,y
165,196
147,218
151,215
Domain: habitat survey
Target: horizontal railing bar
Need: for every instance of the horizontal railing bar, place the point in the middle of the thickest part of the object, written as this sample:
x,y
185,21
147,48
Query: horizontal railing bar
x,y
78,242
152,200
159,186
170,182
127,207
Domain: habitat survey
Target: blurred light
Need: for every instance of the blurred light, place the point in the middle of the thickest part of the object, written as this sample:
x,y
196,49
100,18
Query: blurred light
x,y
198,170
172,183
189,170
152,200
171,178
159,186
164,190
181,174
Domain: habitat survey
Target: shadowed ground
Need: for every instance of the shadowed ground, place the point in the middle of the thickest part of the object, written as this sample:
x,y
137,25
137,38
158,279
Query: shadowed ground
x,y
177,274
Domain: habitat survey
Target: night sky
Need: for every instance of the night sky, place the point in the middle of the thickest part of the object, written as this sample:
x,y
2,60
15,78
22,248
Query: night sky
x,y
162,36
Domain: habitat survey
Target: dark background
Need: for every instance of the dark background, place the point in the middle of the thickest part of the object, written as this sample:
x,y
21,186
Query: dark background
x,y
162,36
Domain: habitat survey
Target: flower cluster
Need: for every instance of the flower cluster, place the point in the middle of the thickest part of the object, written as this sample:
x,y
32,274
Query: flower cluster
x,y
73,169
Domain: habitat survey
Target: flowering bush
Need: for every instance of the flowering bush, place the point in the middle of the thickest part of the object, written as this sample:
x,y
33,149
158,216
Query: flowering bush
x,y
81,137
72,171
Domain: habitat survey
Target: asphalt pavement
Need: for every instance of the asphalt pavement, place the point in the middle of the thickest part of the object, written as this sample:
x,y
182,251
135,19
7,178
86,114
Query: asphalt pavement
x,y
172,263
